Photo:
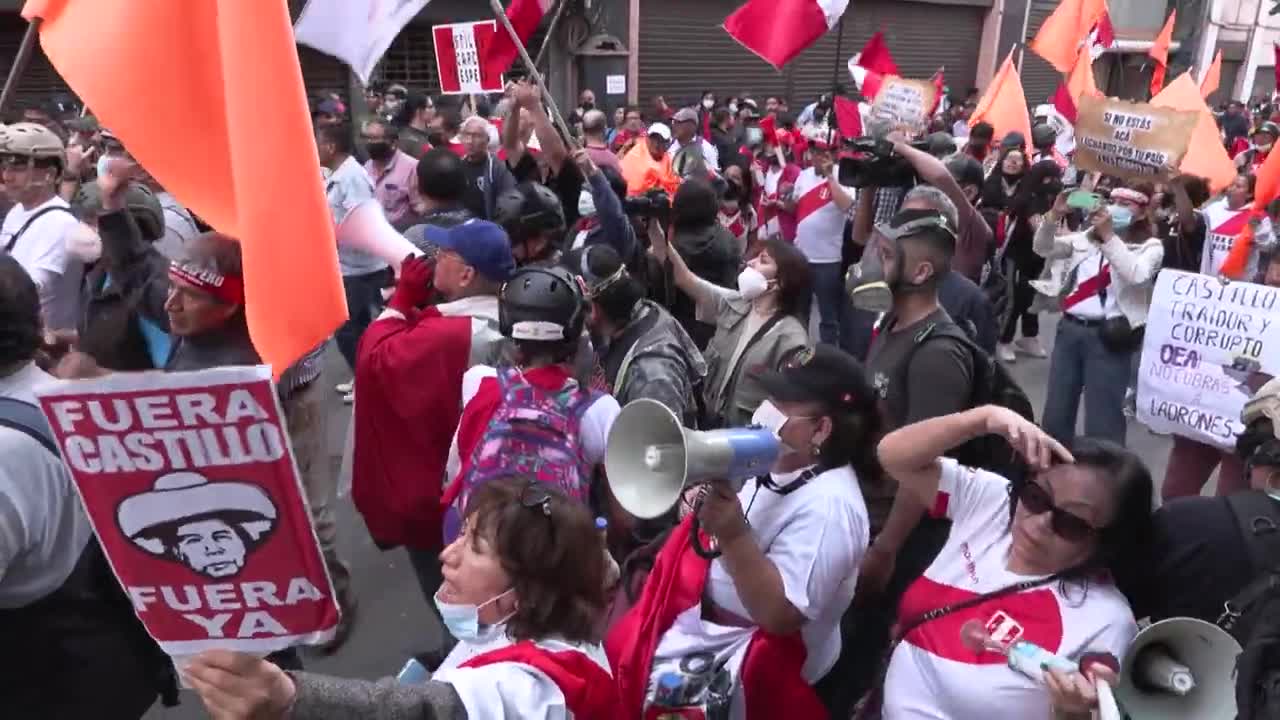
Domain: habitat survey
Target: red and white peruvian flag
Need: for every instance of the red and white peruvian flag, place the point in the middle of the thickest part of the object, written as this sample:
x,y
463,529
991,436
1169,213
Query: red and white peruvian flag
x,y
525,16
870,66
1102,37
357,32
779,30
461,49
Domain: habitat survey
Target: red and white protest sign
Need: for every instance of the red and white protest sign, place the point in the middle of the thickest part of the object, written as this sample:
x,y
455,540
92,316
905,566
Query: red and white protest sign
x,y
460,52
190,485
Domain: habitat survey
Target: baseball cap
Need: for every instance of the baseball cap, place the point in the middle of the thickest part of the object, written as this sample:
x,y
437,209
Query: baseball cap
x,y
482,245
660,130
330,107
685,115
822,374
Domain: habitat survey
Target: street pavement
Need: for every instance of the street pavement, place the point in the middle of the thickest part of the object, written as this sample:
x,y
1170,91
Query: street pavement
x,y
393,621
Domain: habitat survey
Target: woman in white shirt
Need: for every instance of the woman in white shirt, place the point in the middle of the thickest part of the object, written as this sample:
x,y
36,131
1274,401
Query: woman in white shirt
x,y
790,545
523,591
1026,561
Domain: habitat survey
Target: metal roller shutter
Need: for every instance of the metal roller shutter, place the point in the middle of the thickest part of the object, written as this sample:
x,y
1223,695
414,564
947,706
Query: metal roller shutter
x,y
1039,79
40,80
684,50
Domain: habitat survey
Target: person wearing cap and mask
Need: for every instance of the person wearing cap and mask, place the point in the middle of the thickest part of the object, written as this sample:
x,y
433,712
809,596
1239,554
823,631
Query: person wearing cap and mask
x,y
691,153
647,165
777,185
790,544
1101,280
1264,138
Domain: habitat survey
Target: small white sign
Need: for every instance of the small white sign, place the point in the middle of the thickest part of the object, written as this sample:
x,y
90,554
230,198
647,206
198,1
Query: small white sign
x,y
615,85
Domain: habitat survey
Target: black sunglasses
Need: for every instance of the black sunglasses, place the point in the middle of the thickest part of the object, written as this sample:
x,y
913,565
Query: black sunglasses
x,y
1066,525
535,496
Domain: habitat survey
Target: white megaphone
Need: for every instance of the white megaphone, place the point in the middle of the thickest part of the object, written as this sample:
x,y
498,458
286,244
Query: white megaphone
x,y
651,457
366,229
1179,669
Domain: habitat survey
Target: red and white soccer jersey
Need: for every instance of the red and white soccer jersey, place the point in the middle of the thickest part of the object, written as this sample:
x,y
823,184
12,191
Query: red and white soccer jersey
x,y
1224,226
819,222
772,220
932,674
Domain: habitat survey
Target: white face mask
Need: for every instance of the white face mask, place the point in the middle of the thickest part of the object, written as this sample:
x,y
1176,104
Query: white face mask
x,y
463,621
752,283
769,417
586,204
708,104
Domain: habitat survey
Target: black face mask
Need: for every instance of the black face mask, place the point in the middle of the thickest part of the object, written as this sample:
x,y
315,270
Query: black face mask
x,y
588,106
380,151
437,138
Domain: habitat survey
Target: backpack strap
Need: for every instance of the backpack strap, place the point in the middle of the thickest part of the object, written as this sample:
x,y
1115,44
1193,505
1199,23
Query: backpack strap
x,y
27,419
949,331
1258,517
8,248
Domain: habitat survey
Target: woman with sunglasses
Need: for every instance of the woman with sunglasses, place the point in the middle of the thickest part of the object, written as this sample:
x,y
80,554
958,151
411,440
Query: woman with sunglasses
x,y
763,617
524,589
1027,561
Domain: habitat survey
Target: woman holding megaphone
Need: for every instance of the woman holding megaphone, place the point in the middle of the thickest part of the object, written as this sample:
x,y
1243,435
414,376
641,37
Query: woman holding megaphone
x,y
1028,564
755,628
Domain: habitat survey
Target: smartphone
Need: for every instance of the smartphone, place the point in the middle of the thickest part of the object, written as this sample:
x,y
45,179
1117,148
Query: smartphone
x,y
1084,200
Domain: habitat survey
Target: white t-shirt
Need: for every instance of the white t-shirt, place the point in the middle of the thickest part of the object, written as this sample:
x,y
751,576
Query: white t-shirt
x,y
1222,226
816,536
819,221
932,674
42,251
595,426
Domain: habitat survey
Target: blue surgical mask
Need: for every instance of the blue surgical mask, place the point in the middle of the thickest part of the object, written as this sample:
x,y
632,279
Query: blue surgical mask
x,y
463,621
1121,217
586,204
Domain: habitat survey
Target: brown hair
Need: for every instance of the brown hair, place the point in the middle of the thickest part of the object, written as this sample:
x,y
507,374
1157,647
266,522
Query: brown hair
x,y
556,560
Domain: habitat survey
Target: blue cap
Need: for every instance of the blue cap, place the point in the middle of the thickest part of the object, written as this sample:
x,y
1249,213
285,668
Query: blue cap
x,y
482,245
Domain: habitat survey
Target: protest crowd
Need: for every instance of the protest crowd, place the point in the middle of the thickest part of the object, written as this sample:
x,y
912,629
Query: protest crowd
x,y
531,296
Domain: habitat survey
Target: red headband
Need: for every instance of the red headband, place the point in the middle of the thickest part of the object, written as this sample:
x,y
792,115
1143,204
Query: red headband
x,y
228,289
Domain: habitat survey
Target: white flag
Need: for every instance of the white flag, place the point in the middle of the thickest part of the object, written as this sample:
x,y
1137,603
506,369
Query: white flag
x,y
356,32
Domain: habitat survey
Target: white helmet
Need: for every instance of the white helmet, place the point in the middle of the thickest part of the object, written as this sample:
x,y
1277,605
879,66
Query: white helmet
x,y
31,140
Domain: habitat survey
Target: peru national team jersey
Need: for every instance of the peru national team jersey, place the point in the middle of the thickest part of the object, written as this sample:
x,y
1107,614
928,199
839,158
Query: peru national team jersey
x,y
932,674
819,222
1224,226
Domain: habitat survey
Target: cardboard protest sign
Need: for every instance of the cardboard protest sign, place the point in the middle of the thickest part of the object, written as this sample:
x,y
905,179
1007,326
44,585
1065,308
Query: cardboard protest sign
x,y
1208,348
460,58
190,484
1131,140
905,102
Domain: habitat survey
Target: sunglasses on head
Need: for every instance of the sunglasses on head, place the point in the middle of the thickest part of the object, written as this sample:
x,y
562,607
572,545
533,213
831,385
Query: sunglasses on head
x,y
535,496
1065,524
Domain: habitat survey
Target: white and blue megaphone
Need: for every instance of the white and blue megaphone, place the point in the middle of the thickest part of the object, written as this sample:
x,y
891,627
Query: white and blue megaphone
x,y
651,458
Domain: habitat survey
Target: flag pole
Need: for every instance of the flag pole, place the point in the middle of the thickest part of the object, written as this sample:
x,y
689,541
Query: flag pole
x,y
551,33
1022,39
19,63
835,83
553,109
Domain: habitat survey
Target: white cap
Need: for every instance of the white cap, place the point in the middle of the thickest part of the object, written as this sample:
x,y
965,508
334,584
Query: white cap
x,y
660,130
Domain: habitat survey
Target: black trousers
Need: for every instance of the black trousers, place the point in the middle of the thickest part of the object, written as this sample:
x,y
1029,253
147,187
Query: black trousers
x,y
1024,270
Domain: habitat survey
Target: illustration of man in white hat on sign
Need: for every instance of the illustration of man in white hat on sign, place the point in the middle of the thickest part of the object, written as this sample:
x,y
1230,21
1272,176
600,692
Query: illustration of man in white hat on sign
x,y
209,526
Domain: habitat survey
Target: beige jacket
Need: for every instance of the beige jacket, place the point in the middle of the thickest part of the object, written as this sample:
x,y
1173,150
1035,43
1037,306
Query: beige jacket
x,y
1133,269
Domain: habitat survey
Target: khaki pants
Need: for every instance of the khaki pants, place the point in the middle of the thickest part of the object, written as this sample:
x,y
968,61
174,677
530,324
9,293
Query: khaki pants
x,y
308,433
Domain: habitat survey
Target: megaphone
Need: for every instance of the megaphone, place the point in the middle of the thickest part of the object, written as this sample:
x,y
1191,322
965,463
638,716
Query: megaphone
x,y
1179,668
651,458
365,228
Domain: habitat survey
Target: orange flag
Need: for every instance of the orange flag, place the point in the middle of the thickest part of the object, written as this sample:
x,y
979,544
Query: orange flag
x,y
1205,155
1212,77
1081,83
1266,190
1160,53
1059,38
208,97
1004,105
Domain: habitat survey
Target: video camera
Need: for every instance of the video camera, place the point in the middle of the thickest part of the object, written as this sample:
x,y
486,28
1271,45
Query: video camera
x,y
655,203
874,164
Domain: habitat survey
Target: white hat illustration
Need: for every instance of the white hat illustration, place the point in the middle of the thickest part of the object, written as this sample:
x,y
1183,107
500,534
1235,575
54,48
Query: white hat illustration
x,y
182,496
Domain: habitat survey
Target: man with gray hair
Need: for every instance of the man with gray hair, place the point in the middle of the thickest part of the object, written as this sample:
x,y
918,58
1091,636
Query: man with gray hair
x,y
487,175
595,124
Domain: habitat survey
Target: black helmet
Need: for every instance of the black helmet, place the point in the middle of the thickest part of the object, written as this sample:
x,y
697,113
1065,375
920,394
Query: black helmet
x,y
141,203
529,209
1043,136
542,305
1269,128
